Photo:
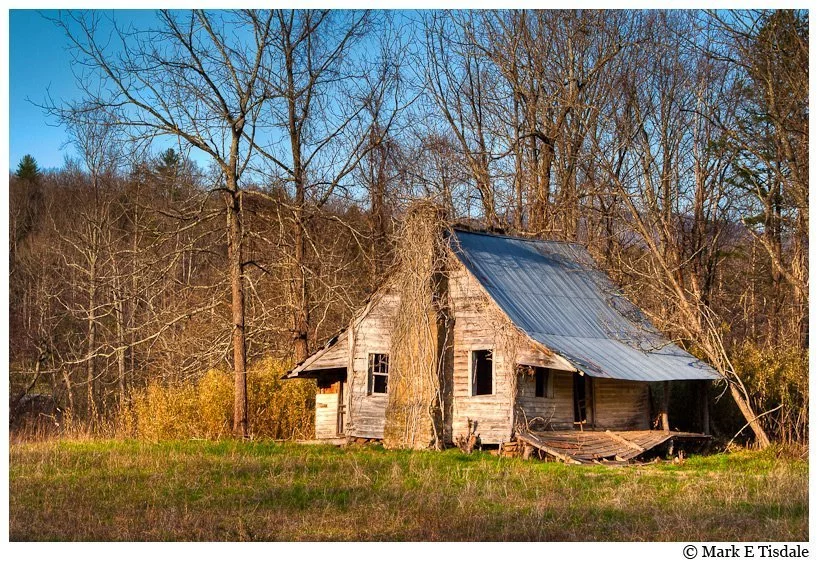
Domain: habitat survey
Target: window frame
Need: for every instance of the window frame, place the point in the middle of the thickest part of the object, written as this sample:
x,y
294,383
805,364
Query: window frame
x,y
548,388
371,374
473,374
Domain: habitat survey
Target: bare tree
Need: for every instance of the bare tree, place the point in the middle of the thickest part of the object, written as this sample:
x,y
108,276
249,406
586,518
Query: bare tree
x,y
666,174
769,54
459,82
195,79
330,106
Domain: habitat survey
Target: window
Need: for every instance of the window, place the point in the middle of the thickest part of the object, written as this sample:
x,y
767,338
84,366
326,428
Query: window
x,y
378,373
482,373
543,383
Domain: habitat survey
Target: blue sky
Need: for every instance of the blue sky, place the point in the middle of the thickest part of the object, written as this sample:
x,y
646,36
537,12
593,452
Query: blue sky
x,y
39,67
39,62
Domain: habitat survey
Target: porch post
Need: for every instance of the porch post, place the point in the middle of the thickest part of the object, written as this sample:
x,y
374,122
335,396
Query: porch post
x,y
663,409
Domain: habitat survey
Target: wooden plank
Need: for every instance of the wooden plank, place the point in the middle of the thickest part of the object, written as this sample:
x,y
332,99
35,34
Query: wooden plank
x,y
326,416
531,440
584,446
691,435
624,441
587,446
657,440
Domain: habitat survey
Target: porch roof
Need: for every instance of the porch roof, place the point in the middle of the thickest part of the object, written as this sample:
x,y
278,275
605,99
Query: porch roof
x,y
334,355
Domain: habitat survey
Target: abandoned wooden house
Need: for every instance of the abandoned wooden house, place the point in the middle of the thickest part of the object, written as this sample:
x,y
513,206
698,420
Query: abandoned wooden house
x,y
513,337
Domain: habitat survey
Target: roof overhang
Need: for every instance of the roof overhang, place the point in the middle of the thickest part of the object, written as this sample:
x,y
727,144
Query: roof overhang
x,y
334,355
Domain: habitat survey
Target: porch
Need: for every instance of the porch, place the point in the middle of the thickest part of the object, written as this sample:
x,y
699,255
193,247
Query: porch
x,y
575,446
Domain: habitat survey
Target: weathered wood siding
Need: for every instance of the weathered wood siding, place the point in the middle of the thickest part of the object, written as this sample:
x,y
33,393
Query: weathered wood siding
x,y
335,357
478,324
621,405
372,334
555,413
326,415
612,404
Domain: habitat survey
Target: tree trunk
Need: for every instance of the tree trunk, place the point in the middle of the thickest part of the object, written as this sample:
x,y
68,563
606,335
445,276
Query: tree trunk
x,y
761,436
120,338
378,214
519,167
92,340
119,317
234,251
301,296
543,161
66,377
486,194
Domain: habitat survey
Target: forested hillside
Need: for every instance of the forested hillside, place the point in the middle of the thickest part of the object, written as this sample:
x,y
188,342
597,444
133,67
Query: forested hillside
x,y
237,179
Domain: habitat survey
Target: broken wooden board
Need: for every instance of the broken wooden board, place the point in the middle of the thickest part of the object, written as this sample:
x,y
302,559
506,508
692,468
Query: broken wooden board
x,y
595,446
535,442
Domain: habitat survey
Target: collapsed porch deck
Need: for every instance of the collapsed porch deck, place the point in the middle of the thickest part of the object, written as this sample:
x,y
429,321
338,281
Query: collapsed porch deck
x,y
594,446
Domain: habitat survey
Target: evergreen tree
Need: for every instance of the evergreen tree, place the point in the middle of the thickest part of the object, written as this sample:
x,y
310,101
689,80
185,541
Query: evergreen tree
x,y
27,169
168,166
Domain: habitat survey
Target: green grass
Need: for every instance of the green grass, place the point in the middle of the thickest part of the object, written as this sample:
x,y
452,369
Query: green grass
x,y
128,490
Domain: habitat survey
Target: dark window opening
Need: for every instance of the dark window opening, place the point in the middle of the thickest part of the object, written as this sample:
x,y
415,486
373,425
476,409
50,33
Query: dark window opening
x,y
543,386
579,399
482,378
378,373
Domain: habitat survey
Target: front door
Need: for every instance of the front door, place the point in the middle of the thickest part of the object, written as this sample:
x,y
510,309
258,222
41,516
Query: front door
x,y
341,405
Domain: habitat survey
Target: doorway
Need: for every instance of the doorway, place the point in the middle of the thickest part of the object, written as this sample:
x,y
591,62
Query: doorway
x,y
580,400
342,405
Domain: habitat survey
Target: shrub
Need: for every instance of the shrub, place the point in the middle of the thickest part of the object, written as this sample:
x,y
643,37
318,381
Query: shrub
x,y
773,377
204,409
279,409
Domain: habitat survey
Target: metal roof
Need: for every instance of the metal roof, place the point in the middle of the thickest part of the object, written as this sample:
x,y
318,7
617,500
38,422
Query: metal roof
x,y
555,294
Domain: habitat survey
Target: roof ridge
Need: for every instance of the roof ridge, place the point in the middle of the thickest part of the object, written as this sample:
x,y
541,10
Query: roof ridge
x,y
517,237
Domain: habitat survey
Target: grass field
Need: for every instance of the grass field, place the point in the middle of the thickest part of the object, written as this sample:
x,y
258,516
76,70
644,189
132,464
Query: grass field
x,y
112,490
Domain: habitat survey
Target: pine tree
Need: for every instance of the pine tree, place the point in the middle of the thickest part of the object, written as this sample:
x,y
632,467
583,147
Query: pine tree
x,y
27,169
168,167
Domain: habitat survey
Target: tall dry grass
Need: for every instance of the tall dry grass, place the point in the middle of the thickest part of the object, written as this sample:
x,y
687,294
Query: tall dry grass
x,y
203,409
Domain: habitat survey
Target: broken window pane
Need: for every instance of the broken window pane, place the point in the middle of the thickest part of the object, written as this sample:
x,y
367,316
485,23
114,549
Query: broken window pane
x,y
378,373
482,377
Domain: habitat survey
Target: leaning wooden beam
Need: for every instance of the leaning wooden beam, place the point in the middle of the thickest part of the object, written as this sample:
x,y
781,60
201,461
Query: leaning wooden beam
x,y
531,440
624,441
